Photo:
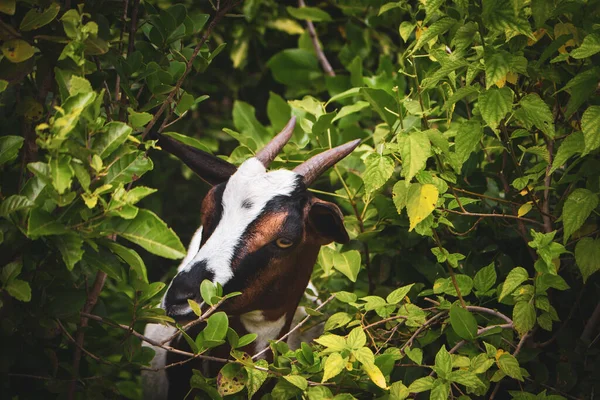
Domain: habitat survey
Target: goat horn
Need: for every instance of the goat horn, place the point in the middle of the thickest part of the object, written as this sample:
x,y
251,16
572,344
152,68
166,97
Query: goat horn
x,y
270,151
209,168
316,165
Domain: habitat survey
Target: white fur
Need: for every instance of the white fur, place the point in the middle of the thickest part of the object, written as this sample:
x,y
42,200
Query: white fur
x,y
192,249
155,383
250,182
255,322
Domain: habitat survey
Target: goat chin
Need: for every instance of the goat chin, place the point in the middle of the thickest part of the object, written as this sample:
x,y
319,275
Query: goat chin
x,y
155,384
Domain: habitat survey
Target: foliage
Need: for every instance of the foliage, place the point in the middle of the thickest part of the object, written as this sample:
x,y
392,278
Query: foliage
x,y
472,202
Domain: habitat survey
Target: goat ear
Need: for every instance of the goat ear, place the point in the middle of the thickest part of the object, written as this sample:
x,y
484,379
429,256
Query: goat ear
x,y
327,221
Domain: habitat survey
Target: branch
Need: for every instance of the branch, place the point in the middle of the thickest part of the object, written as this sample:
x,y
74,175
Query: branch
x,y
188,67
294,328
547,182
472,214
486,310
91,301
318,49
421,329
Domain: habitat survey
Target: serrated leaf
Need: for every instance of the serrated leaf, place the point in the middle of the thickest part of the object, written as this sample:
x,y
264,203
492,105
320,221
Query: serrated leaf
x,y
494,104
256,377
309,14
587,255
9,148
399,294
421,385
577,208
535,112
589,47
17,50
415,354
334,364
332,342
523,317
439,27
581,87
590,125
399,195
421,201
463,322
485,278
148,231
379,169
467,139
138,119
350,109
496,66
443,361
570,146
467,378
337,320
440,391
513,280
414,149
356,338
381,101
510,366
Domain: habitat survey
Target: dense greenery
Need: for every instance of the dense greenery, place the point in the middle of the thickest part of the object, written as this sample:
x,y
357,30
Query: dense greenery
x,y
472,202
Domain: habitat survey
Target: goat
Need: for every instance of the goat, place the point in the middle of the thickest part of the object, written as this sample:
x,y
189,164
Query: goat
x,y
260,235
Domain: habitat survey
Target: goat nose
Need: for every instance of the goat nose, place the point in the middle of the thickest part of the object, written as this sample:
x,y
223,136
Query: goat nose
x,y
185,286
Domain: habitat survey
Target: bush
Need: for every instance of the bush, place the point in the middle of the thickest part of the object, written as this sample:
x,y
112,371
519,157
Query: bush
x,y
472,202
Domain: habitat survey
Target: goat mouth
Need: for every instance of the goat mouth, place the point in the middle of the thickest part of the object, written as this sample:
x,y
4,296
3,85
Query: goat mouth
x,y
181,313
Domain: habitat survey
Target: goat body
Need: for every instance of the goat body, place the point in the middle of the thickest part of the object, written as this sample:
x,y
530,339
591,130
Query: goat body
x,y
261,233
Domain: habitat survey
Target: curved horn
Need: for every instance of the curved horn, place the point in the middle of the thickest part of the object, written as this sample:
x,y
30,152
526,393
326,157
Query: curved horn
x,y
316,165
270,151
209,168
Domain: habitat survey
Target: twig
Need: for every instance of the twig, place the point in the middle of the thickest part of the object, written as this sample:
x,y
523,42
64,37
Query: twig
x,y
383,321
91,301
547,182
450,270
430,321
472,214
590,326
315,41
295,328
66,333
188,67
133,26
195,322
486,310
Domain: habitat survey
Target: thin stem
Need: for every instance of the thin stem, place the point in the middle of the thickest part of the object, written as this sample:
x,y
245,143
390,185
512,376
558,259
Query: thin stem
x,y
317,46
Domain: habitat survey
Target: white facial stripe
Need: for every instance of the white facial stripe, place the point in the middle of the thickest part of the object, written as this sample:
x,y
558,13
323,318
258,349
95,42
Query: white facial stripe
x,y
192,249
250,184
254,322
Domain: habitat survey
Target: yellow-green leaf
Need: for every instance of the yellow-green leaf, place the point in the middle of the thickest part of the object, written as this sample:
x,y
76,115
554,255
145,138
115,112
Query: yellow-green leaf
x,y
421,201
524,209
36,18
334,364
375,374
17,50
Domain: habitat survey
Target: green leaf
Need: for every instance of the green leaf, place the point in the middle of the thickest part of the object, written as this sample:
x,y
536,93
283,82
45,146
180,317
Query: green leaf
x,y
590,125
129,168
190,141
573,144
375,374
9,148
485,278
379,169
337,320
10,271
36,18
510,366
443,362
356,338
216,326
256,377
399,294
587,255
332,342
350,109
400,194
78,85
8,7
138,119
208,290
541,11
19,289
17,50
13,204
348,263
381,101
148,231
41,223
420,202
414,149
131,257
295,67
523,317
245,122
344,95
534,111
297,381
494,104
440,391
581,87
247,339
334,364
466,378
113,135
463,322
578,207
496,66
61,172
461,94
69,246
514,279
439,27
308,14
406,28
415,354
467,139
421,385
589,47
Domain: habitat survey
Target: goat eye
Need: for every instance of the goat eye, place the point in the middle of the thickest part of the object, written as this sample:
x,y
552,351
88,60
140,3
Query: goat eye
x,y
283,243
